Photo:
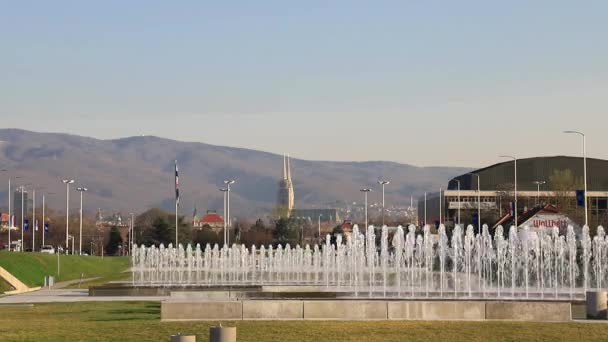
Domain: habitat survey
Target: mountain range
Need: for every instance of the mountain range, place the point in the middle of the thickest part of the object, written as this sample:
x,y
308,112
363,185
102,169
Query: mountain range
x,y
135,173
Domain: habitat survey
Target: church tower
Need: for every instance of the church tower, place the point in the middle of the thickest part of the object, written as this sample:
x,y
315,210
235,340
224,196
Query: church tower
x,y
285,198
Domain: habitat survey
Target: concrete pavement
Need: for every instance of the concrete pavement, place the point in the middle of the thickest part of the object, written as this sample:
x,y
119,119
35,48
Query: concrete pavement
x,y
69,295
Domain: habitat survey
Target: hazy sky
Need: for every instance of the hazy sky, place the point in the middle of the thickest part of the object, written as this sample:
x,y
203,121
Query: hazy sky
x,y
419,81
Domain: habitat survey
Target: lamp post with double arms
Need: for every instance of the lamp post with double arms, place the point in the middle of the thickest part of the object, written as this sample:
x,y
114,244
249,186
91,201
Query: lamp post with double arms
x,y
366,191
478,201
515,201
228,223
67,183
225,191
383,183
538,184
82,191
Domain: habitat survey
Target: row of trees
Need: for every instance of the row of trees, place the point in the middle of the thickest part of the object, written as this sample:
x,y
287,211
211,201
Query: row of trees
x,y
157,226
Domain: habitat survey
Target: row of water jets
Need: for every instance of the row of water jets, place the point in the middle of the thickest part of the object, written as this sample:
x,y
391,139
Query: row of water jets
x,y
521,264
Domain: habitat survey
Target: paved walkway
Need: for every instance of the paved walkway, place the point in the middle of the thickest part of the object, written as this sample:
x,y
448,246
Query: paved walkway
x,y
64,284
71,295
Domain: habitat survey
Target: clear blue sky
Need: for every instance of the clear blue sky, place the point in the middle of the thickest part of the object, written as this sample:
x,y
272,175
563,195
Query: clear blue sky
x,y
421,82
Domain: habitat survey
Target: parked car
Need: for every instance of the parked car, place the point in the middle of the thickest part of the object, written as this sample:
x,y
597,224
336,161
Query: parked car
x,y
47,249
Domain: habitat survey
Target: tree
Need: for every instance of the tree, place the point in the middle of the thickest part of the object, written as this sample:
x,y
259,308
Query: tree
x,y
563,183
114,241
286,232
205,236
258,234
147,227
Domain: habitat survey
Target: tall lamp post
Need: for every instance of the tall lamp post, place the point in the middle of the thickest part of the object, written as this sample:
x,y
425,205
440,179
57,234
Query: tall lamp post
x,y
22,244
366,191
440,207
425,223
383,183
132,233
319,236
228,222
34,225
584,169
458,182
514,204
43,215
478,202
10,216
82,191
67,183
538,184
225,191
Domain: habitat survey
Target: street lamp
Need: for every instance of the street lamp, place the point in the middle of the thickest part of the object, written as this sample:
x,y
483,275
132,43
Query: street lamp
x,y
515,202
478,202
440,206
229,224
365,191
457,181
319,226
538,184
71,237
11,224
22,245
67,183
43,213
132,233
82,191
425,209
383,183
584,168
225,191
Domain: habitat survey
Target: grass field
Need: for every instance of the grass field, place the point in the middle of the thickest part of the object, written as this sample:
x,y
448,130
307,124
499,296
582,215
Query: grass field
x,y
4,286
31,268
121,321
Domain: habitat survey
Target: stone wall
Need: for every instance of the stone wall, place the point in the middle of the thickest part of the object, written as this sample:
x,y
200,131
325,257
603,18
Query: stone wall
x,y
176,310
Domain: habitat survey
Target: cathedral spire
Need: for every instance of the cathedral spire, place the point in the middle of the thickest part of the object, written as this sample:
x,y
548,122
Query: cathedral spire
x,y
284,166
288,169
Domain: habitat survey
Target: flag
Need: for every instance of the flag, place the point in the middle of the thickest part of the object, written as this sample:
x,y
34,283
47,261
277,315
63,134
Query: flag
x,y
36,225
176,185
580,198
26,224
46,227
12,221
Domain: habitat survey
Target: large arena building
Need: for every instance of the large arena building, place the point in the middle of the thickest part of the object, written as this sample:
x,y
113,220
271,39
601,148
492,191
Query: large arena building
x,y
541,181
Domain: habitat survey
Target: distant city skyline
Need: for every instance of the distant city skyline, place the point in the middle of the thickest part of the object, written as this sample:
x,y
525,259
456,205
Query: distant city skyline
x,y
421,83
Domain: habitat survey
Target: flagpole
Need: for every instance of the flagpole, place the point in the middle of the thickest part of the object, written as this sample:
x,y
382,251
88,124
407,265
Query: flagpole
x,y
43,232
34,220
176,203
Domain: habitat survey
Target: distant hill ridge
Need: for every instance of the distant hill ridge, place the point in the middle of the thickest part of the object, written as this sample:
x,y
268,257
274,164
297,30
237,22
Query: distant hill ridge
x,y
136,173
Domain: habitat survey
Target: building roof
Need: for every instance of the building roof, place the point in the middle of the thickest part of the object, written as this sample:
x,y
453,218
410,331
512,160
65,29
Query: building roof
x,y
212,218
501,176
508,220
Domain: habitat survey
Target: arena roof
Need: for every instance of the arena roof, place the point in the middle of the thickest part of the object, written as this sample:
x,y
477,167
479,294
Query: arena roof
x,y
501,176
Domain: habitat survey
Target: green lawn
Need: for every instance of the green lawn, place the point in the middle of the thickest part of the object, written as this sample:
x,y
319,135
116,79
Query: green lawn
x,y
122,321
31,268
4,286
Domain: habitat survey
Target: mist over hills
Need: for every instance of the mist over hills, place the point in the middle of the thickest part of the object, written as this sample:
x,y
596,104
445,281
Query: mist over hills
x,y
135,173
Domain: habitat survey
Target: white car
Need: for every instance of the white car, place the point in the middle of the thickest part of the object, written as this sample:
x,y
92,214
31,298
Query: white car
x,y
47,249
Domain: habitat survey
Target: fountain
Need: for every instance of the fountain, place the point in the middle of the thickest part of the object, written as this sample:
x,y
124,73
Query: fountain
x,y
523,265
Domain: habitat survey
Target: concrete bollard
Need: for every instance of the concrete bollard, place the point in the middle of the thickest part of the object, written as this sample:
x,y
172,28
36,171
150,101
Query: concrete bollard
x,y
183,338
597,304
222,334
